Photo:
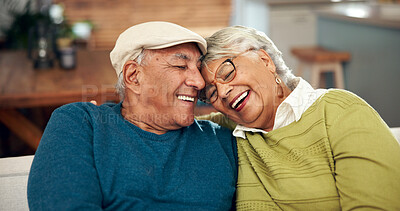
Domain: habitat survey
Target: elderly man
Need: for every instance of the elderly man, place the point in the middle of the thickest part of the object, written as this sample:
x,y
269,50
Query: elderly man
x,y
146,152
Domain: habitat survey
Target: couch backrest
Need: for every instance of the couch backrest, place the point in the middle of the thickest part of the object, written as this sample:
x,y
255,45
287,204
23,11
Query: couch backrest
x,y
14,173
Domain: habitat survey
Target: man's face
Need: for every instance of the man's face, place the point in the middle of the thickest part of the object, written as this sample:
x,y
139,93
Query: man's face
x,y
170,83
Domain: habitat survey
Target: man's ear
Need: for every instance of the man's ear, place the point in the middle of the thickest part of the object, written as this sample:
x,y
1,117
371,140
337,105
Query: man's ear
x,y
132,72
267,60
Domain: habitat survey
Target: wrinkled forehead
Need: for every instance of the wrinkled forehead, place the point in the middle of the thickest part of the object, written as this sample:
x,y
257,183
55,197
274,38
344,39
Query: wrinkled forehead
x,y
186,51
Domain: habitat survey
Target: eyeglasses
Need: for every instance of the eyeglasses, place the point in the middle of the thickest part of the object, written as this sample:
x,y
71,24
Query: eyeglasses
x,y
225,73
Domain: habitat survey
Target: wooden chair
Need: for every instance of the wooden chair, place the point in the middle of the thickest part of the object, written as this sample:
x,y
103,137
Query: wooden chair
x,y
321,60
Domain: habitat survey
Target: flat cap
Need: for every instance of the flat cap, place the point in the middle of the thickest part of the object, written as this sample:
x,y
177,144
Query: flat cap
x,y
151,35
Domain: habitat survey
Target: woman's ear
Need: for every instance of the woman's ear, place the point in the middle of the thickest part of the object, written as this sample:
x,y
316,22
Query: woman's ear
x,y
132,72
267,60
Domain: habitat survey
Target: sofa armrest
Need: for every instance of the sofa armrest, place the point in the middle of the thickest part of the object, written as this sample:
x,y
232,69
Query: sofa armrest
x,y
396,132
14,172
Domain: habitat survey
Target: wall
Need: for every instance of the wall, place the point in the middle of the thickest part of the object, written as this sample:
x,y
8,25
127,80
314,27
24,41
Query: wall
x,y
374,70
112,17
251,13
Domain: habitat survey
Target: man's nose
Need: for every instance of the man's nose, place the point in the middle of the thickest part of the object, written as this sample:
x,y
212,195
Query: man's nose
x,y
194,79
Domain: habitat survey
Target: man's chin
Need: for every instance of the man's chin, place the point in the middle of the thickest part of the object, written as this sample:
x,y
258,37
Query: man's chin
x,y
185,120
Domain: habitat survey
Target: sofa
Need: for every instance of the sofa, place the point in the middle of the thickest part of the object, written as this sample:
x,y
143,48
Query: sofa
x,y
13,182
14,173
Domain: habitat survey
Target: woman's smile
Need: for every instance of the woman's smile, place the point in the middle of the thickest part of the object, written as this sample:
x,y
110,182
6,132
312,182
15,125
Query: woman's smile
x,y
240,101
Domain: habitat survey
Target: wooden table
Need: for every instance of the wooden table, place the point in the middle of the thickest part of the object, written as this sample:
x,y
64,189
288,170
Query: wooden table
x,y
23,87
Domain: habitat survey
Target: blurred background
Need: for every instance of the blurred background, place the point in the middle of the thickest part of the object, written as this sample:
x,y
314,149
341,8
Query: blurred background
x,y
54,52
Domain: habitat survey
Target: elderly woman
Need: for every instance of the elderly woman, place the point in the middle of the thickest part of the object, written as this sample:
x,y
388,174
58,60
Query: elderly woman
x,y
298,148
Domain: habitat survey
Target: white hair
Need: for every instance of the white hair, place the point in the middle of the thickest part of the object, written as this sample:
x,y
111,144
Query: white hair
x,y
233,40
120,86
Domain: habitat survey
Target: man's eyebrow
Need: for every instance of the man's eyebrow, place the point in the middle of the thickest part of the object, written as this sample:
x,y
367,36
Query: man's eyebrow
x,y
186,57
200,59
182,56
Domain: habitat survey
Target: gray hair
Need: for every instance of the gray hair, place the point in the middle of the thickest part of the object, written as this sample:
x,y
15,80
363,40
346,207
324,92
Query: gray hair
x,y
233,40
120,86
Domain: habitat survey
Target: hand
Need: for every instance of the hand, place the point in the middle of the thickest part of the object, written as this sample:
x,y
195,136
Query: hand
x,y
94,102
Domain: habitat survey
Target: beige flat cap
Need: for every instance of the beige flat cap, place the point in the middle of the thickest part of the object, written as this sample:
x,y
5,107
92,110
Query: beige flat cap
x,y
151,35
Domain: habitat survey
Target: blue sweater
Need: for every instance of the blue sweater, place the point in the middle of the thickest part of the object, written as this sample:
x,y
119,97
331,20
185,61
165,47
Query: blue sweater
x,y
91,158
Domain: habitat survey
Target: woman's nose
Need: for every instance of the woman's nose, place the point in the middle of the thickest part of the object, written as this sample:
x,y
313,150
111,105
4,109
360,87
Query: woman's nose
x,y
223,90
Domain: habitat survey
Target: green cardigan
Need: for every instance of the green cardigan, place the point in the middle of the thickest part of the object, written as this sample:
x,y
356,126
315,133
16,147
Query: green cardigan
x,y
339,156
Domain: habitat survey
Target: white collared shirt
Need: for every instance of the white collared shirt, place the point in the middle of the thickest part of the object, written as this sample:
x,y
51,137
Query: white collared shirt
x,y
290,110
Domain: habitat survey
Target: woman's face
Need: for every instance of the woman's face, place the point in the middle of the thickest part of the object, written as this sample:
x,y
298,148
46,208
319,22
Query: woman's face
x,y
249,98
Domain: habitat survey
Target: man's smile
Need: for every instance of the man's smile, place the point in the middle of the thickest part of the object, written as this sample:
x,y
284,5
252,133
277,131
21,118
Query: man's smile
x,y
186,98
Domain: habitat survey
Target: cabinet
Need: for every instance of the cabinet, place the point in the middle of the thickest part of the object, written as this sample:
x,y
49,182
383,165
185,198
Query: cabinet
x,y
290,26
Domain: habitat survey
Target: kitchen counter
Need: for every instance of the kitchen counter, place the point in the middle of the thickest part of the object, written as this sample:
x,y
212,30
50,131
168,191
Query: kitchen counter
x,y
371,34
382,15
304,2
